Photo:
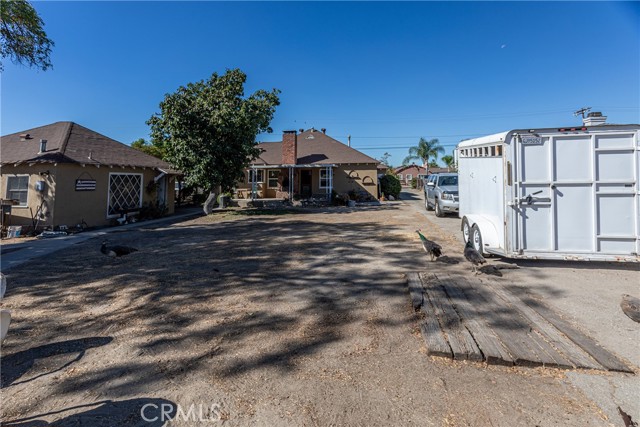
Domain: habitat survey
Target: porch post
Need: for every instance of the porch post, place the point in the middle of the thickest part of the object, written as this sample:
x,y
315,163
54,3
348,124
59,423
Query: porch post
x,y
253,184
291,183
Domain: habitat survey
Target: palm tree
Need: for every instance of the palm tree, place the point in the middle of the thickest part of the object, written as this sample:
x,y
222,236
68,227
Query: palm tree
x,y
449,162
424,151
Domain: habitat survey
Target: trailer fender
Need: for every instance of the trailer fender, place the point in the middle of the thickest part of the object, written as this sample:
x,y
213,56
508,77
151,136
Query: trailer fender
x,y
487,229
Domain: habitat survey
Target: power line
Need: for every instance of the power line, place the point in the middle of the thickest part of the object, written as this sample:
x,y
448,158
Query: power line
x,y
461,117
397,148
408,137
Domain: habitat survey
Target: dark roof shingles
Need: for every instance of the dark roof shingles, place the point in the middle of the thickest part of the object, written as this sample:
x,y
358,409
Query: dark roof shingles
x,y
68,142
321,149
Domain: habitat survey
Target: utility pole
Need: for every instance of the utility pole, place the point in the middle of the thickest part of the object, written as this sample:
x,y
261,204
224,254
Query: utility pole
x,y
582,111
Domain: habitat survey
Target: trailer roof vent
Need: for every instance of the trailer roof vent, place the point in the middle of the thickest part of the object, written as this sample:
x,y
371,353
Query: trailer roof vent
x,y
594,119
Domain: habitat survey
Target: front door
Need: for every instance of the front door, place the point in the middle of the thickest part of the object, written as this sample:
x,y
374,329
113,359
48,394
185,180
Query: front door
x,y
162,191
305,183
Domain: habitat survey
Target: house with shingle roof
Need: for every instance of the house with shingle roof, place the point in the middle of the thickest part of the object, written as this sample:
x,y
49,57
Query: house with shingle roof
x,y
309,164
64,173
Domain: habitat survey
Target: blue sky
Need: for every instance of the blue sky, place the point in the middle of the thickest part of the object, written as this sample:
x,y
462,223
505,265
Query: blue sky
x,y
384,73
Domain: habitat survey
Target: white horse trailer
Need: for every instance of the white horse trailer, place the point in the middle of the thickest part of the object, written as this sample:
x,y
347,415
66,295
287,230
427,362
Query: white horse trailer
x,y
568,193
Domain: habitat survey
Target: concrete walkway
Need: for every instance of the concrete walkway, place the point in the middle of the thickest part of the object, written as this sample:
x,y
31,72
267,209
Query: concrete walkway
x,y
16,254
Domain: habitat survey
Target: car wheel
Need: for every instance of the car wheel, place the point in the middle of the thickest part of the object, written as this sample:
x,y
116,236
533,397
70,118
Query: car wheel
x,y
466,230
426,204
439,212
476,239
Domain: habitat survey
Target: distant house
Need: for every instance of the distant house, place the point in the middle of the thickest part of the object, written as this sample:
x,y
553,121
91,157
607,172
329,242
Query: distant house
x,y
309,164
407,173
64,173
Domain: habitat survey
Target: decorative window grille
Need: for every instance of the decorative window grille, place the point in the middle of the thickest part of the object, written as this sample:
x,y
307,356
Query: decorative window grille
x,y
125,192
18,188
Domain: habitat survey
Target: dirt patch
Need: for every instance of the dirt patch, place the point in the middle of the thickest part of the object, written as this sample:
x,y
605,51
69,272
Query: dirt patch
x,y
263,317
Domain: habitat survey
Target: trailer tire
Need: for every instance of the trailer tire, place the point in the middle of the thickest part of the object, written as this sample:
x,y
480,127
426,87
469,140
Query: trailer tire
x,y
476,239
466,230
439,212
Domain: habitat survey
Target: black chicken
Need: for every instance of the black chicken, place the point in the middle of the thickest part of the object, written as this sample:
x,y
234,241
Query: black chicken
x,y
117,250
432,248
473,256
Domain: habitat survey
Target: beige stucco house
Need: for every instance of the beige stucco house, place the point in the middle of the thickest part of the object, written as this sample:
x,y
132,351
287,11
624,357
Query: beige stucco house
x,y
64,173
309,164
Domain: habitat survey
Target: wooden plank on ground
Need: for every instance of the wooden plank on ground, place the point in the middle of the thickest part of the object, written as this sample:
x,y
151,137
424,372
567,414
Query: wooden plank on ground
x,y
489,344
573,353
434,338
602,356
506,323
462,344
415,290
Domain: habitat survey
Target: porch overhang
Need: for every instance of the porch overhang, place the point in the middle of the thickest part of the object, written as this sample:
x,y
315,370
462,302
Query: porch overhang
x,y
315,166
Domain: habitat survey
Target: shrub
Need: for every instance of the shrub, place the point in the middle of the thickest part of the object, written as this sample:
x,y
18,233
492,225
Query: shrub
x,y
390,185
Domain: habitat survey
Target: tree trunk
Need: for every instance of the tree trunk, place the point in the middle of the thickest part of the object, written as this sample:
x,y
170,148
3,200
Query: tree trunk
x,y
210,203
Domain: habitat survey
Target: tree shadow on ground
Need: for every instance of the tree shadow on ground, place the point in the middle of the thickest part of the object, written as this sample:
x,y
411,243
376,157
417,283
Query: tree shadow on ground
x,y
143,412
200,296
14,366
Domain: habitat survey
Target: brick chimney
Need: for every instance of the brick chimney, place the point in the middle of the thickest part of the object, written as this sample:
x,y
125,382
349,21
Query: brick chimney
x,y
289,147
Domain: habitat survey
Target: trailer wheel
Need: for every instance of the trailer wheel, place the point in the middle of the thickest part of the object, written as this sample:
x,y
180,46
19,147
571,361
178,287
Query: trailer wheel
x,y
476,239
466,230
439,212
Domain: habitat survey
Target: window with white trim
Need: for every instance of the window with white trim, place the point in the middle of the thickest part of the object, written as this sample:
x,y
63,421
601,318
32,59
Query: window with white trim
x,y
400,176
18,188
125,192
259,173
324,178
272,178
409,177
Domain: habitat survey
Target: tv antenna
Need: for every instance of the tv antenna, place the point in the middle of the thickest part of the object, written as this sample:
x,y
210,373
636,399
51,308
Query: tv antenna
x,y
581,111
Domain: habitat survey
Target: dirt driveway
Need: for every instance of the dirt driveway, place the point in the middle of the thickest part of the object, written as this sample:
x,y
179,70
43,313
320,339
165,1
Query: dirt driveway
x,y
253,319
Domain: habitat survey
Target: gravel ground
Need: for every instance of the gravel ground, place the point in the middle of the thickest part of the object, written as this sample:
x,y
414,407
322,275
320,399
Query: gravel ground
x,y
254,318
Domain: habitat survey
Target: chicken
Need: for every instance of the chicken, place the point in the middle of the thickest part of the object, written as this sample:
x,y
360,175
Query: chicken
x,y
432,248
473,256
116,251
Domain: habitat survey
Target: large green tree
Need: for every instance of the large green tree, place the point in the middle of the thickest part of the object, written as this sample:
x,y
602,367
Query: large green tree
x,y
22,38
154,150
208,129
424,151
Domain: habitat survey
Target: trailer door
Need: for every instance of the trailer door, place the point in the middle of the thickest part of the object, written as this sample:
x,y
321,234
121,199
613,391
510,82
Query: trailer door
x,y
577,194
533,200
